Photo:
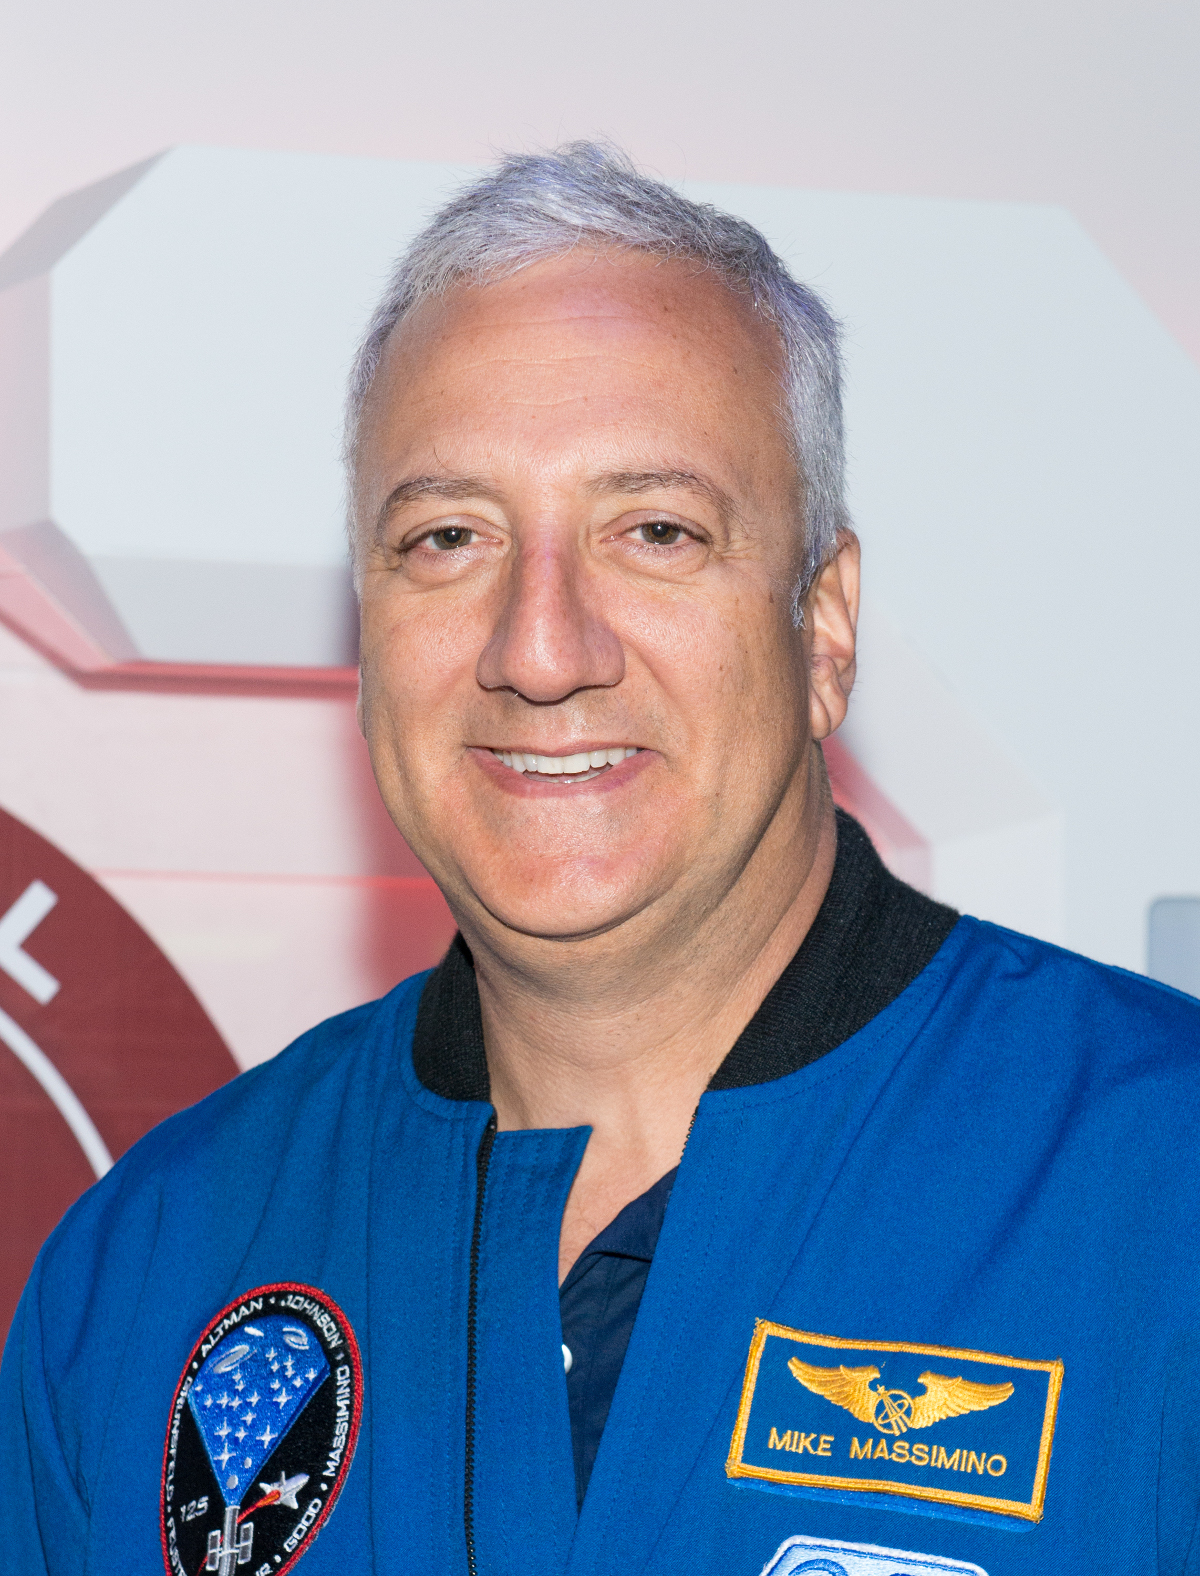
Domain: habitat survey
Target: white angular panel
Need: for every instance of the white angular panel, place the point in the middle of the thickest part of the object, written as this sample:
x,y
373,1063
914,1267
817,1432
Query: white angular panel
x,y
185,330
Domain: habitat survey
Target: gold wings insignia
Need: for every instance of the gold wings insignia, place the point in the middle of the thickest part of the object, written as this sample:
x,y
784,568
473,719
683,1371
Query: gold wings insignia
x,y
846,1387
952,1397
894,1411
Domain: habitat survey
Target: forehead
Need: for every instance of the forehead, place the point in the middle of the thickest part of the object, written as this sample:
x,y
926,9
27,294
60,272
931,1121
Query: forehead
x,y
582,356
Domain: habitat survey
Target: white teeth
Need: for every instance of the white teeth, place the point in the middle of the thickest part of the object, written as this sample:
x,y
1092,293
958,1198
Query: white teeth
x,y
568,765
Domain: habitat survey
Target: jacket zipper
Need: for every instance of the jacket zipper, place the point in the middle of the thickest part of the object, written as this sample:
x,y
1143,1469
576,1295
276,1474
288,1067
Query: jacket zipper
x,y
482,1161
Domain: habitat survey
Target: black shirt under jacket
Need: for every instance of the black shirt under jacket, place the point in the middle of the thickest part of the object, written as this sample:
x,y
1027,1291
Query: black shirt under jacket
x,y
871,938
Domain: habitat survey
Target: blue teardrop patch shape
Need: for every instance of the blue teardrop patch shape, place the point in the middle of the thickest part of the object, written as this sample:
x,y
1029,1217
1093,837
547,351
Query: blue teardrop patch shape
x,y
249,1391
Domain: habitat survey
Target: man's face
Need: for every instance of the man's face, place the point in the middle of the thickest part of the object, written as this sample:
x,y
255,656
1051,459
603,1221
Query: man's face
x,y
580,531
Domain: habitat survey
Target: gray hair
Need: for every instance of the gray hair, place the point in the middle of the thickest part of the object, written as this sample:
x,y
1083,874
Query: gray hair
x,y
541,205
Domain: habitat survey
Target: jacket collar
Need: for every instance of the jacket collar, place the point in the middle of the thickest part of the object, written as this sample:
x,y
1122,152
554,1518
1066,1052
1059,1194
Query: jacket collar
x,y
872,936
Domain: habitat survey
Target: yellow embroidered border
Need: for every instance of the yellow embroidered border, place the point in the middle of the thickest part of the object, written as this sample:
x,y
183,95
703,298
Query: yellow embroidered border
x,y
1030,1510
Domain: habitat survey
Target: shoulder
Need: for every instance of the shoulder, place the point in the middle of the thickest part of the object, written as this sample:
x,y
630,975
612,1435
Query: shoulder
x,y
1016,960
166,1236
1056,1000
345,1055
247,1129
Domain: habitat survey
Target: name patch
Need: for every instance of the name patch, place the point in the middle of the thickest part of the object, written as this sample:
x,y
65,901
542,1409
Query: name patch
x,y
262,1428
929,1422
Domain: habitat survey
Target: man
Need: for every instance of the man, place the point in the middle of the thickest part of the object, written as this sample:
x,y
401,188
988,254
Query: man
x,y
719,1202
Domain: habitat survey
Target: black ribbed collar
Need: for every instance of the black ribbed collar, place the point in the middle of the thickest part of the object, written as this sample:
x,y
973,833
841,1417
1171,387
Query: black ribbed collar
x,y
871,938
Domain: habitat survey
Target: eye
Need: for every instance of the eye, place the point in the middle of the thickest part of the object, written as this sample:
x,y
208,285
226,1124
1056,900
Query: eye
x,y
449,537
661,533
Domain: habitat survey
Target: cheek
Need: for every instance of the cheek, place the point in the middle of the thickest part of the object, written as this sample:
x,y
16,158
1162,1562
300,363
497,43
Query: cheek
x,y
415,654
734,669
415,674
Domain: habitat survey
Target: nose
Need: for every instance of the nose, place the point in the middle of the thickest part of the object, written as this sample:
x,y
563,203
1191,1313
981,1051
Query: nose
x,y
551,638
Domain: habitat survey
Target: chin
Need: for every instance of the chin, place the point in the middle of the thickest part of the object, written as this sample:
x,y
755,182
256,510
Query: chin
x,y
562,910
552,921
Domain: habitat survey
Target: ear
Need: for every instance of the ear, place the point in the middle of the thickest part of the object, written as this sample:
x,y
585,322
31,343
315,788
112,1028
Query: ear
x,y
831,618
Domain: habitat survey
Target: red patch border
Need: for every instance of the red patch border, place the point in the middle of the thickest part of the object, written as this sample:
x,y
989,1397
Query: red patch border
x,y
351,1438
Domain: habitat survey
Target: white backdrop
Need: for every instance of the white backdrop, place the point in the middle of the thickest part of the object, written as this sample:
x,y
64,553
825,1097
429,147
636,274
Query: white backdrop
x,y
1089,103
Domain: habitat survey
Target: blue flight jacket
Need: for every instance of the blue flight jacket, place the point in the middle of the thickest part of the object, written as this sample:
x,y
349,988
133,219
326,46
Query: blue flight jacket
x,y
990,1191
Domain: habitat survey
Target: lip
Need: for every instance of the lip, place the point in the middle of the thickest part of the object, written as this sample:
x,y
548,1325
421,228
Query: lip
x,y
519,785
561,747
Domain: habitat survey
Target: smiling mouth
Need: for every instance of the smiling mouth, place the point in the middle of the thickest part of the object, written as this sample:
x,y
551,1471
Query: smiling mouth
x,y
580,768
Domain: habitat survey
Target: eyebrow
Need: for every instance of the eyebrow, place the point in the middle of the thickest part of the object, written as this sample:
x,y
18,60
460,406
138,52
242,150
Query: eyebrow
x,y
458,488
634,482
452,488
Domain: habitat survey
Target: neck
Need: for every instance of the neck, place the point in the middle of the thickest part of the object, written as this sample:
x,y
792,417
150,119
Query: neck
x,y
627,1050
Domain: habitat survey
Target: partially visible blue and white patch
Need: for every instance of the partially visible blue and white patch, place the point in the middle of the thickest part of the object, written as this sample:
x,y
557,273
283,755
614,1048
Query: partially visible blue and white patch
x,y
802,1556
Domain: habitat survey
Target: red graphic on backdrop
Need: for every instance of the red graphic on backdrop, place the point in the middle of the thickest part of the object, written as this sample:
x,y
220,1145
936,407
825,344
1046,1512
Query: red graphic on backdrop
x,y
100,1039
